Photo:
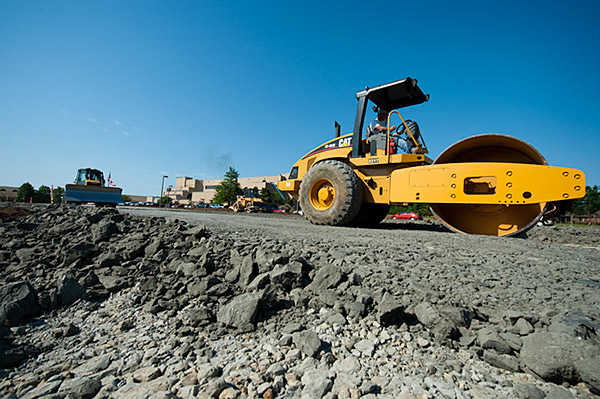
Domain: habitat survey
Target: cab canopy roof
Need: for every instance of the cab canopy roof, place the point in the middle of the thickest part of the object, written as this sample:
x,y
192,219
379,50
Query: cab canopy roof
x,y
398,94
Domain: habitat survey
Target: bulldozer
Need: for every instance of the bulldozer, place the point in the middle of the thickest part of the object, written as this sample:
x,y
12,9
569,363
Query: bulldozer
x,y
251,202
487,184
90,186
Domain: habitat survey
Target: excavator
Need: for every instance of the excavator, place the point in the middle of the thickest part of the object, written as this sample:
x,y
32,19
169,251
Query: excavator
x,y
488,184
90,186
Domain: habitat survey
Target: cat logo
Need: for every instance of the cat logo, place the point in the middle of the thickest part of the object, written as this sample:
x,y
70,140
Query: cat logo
x,y
374,160
345,142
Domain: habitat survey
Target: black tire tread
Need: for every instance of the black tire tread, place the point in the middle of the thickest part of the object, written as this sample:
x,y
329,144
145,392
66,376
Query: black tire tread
x,y
348,194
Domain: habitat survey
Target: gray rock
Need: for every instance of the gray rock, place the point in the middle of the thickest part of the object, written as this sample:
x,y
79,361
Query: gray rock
x,y
505,362
337,318
17,301
80,250
196,232
316,384
240,312
528,391
552,355
259,282
275,369
146,374
365,346
84,388
458,316
575,324
389,310
44,390
559,393
104,230
93,366
213,389
489,338
326,277
112,283
153,248
248,271
108,259
308,342
289,275
355,310
523,327
198,316
26,254
437,323
69,289
134,248
589,372
207,370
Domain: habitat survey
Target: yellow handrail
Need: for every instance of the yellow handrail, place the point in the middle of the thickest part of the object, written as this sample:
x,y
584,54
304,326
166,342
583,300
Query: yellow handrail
x,y
421,149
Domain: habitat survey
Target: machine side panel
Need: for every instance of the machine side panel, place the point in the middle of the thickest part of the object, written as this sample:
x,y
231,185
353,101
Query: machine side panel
x,y
486,183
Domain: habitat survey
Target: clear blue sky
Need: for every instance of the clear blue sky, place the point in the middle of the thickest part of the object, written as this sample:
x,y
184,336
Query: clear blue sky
x,y
189,88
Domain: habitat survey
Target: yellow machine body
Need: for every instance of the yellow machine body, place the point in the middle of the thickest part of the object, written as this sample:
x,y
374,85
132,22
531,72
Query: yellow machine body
x,y
491,198
491,184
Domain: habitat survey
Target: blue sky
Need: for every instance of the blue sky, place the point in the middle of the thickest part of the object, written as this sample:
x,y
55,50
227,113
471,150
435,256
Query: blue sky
x,y
189,88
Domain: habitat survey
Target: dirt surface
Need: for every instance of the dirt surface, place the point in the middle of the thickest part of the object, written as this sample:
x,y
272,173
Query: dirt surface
x,y
13,212
142,302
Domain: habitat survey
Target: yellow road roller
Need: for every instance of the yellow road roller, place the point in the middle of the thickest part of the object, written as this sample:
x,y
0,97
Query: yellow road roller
x,y
490,184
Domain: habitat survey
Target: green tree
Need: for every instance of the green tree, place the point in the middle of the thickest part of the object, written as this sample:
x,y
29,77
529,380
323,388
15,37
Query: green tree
x,y
291,204
589,204
57,195
164,200
126,198
266,195
42,195
229,188
25,192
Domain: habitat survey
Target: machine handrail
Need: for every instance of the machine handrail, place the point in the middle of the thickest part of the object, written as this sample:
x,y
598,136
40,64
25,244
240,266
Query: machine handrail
x,y
421,149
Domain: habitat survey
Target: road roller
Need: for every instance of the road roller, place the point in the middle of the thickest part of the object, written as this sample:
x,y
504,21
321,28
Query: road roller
x,y
488,184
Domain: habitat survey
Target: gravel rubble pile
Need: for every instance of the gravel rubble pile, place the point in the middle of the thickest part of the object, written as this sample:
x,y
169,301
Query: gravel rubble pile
x,y
98,303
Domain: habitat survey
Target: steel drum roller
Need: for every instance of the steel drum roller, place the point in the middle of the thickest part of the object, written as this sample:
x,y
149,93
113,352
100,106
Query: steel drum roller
x,y
496,220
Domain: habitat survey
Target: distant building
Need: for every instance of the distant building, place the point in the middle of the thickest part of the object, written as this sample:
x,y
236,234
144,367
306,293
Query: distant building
x,y
8,193
142,198
187,189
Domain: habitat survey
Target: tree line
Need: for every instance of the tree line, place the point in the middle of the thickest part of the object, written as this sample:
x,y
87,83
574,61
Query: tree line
x,y
43,195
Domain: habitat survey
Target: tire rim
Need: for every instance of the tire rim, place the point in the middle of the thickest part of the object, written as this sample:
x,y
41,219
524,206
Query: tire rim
x,y
322,194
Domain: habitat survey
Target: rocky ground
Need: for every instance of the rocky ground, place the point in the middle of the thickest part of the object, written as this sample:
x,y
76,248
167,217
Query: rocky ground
x,y
100,303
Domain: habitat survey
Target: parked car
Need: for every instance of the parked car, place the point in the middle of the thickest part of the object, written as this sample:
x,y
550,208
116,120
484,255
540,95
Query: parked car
x,y
406,216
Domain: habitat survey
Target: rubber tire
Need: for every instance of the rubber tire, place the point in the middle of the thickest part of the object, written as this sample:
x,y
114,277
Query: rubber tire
x,y
370,215
348,194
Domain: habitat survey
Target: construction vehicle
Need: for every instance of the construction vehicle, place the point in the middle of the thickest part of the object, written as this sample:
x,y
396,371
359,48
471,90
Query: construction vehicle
x,y
489,184
89,186
251,202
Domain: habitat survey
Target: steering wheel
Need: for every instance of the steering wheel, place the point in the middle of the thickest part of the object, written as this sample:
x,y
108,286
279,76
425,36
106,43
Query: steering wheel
x,y
399,129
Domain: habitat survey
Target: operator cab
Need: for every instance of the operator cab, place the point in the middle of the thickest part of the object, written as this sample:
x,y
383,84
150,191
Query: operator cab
x,y
89,177
390,96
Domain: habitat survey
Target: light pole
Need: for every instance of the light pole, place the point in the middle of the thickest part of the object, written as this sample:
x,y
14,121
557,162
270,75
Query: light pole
x,y
161,189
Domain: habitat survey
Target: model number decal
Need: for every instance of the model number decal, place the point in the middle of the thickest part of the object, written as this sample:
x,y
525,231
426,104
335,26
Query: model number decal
x,y
374,160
